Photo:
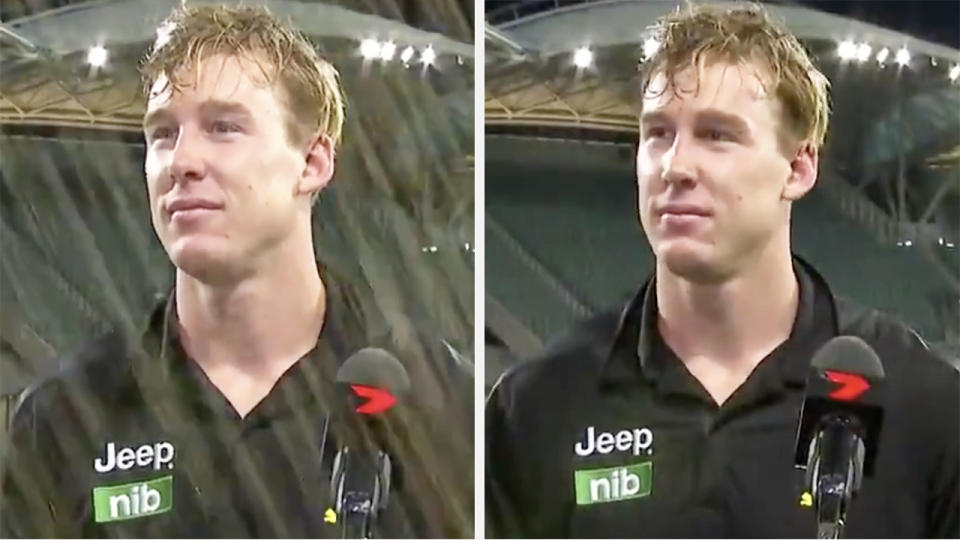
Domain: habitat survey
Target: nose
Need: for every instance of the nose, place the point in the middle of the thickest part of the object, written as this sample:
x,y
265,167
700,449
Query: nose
x,y
678,163
187,161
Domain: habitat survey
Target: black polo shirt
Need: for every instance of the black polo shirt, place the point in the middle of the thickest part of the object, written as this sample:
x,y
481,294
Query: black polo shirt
x,y
609,435
135,441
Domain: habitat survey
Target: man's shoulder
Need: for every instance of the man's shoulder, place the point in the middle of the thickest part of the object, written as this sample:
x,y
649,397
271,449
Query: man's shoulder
x,y
96,375
909,362
569,361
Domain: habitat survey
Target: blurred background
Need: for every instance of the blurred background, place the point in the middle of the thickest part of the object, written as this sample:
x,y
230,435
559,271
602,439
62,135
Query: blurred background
x,y
78,255
562,235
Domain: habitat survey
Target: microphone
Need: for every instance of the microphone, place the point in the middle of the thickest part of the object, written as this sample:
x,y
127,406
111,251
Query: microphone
x,y
839,430
371,379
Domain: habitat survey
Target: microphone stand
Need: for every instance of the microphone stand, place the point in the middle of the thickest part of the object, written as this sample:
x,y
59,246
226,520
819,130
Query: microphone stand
x,y
835,471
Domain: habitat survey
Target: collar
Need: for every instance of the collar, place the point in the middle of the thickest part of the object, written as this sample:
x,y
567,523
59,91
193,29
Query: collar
x,y
166,374
637,350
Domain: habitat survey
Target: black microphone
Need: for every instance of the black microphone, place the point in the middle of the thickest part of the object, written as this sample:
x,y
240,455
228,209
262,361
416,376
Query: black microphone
x,y
839,429
371,380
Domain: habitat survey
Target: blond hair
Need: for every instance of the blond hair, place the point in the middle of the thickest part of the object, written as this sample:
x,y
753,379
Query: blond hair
x,y
309,85
739,35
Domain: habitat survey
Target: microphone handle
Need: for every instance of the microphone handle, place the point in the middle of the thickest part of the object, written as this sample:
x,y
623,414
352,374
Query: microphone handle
x,y
356,519
835,470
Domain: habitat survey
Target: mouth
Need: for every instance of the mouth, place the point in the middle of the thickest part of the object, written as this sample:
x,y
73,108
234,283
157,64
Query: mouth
x,y
672,211
191,207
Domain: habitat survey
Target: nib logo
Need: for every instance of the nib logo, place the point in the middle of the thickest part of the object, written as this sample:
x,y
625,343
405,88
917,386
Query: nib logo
x,y
129,501
614,483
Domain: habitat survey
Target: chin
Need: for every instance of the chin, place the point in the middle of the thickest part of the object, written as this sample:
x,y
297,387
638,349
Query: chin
x,y
201,260
688,260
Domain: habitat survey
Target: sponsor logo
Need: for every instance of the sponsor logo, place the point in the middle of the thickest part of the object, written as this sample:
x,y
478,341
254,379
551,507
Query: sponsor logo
x,y
155,455
613,483
134,500
638,440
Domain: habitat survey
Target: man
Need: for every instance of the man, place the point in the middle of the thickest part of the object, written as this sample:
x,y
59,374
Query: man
x,y
218,420
676,416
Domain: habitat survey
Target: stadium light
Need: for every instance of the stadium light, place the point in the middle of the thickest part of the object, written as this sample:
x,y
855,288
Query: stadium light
x,y
903,56
954,72
650,48
387,50
863,52
847,50
163,34
582,57
882,55
428,56
97,56
370,48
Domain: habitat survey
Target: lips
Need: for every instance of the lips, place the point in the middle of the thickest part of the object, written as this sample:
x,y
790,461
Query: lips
x,y
181,205
683,210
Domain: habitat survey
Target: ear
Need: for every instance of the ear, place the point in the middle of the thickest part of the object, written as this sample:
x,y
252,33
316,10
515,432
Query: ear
x,y
803,172
318,169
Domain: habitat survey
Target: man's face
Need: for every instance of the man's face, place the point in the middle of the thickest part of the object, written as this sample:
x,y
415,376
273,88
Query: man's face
x,y
711,175
224,182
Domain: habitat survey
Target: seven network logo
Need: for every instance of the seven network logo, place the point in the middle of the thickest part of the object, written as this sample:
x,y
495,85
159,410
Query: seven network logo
x,y
609,484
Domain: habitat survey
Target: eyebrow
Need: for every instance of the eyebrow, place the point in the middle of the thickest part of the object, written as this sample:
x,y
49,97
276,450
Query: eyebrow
x,y
714,116
208,107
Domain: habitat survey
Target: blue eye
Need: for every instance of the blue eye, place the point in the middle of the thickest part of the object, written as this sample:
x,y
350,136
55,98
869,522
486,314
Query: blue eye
x,y
162,132
656,132
224,127
718,135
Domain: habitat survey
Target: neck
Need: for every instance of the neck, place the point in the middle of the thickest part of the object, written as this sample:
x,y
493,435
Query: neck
x,y
734,322
260,324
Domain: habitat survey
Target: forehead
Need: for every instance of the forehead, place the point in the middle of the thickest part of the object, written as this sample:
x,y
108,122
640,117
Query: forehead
x,y
742,89
217,77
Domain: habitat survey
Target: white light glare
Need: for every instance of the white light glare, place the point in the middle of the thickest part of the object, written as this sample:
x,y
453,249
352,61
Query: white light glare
x,y
582,57
908,243
406,55
955,72
370,48
97,56
847,50
387,50
882,55
650,48
863,52
163,34
428,55
903,56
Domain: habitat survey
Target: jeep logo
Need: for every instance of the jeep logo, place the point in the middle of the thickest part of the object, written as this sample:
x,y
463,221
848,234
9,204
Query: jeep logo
x,y
638,440
154,455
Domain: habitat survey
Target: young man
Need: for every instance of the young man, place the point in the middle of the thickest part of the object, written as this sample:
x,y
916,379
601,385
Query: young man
x,y
676,416
217,421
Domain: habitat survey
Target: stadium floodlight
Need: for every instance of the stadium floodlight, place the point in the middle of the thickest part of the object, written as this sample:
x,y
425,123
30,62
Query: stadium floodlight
x,y
428,56
387,50
903,56
370,48
650,47
954,72
97,56
847,50
406,55
163,34
863,52
583,57
882,55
